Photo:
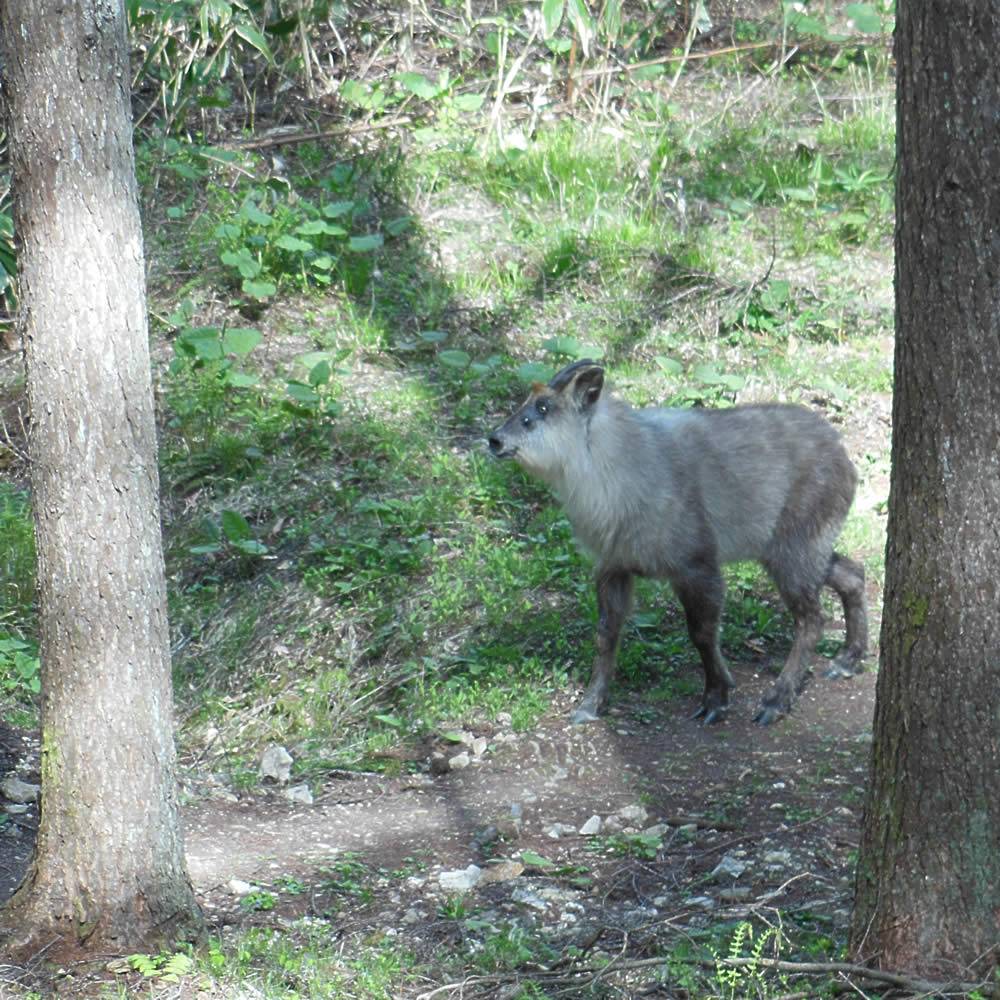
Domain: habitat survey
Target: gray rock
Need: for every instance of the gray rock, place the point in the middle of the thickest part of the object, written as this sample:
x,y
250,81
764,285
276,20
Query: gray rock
x,y
16,790
459,761
276,762
778,859
634,815
736,894
461,880
529,898
729,867
592,827
701,902
556,830
299,794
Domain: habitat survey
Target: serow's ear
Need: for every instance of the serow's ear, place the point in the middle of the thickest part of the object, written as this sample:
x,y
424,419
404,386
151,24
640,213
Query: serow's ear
x,y
587,384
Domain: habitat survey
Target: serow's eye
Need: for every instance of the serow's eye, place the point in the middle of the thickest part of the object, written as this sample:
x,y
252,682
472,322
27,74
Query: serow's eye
x,y
542,407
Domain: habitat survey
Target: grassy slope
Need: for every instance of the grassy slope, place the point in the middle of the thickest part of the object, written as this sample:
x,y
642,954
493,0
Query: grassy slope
x,y
408,579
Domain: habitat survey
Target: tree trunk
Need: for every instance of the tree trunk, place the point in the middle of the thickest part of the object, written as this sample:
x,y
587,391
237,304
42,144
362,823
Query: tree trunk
x,y
928,877
108,871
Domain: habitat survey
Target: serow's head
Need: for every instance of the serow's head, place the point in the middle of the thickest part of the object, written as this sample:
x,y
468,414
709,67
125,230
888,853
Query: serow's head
x,y
552,422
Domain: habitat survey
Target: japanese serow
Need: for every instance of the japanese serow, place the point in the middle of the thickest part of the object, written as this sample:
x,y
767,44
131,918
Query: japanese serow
x,y
677,493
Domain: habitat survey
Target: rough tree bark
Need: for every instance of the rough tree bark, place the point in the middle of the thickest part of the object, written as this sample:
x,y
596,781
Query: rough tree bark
x,y
928,877
108,872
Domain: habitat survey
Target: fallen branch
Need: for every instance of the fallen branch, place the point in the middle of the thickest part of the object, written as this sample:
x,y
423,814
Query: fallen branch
x,y
845,969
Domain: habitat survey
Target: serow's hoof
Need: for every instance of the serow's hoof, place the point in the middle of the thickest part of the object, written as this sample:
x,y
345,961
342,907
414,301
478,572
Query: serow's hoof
x,y
709,714
583,715
838,669
767,714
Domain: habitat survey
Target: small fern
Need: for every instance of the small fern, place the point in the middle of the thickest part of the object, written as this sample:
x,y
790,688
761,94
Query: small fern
x,y
739,973
165,968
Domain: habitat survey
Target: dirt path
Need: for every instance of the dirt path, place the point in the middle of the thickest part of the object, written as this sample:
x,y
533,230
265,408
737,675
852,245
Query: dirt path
x,y
783,803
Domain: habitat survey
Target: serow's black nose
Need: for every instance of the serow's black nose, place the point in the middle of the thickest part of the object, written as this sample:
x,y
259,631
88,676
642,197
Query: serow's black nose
x,y
495,445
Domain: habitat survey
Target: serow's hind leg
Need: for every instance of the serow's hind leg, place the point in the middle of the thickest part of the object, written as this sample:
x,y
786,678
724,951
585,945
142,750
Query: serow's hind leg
x,y
847,578
808,628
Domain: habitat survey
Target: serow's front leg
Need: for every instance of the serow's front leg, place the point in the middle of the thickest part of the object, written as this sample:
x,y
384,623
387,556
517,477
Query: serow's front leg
x,y
614,597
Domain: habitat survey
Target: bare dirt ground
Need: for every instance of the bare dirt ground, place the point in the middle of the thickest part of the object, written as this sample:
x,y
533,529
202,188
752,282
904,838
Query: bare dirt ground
x,y
373,854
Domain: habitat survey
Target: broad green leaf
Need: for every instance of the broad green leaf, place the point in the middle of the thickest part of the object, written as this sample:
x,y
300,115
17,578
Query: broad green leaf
x,y
253,214
534,371
552,15
536,860
243,381
579,17
259,289
396,226
288,242
250,546
419,85
248,266
317,227
469,102
302,393
563,345
207,348
798,194
363,244
253,37
775,294
865,17
669,365
455,358
235,525
319,374
337,208
433,336
706,374
240,341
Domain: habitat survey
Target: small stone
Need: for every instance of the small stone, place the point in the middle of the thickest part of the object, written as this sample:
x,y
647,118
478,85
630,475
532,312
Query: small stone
x,y
729,867
635,815
592,827
736,894
461,880
479,745
459,761
299,794
528,898
16,790
556,830
701,902
276,762
778,859
240,888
